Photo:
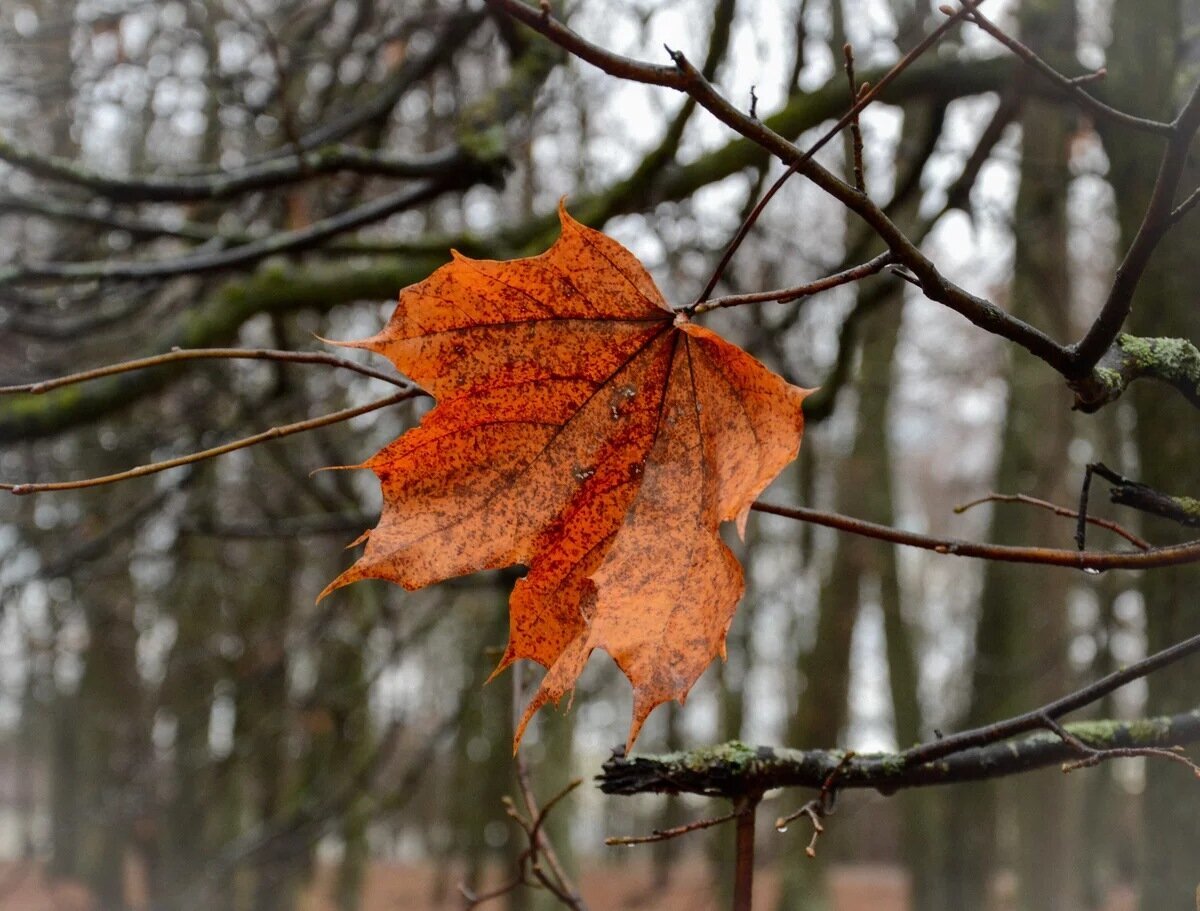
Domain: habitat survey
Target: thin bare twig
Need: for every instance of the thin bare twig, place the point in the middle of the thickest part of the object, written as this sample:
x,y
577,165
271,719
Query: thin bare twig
x,y
528,863
787,295
856,139
1093,756
190,354
850,116
1186,206
1063,511
674,832
274,433
1031,721
820,806
1173,555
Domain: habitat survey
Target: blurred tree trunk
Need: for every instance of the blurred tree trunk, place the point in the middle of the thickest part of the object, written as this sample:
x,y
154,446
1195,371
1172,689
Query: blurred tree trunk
x,y
65,728
550,774
732,675
484,743
188,831
1146,60
66,720
263,722
1020,643
663,854
865,490
109,772
344,688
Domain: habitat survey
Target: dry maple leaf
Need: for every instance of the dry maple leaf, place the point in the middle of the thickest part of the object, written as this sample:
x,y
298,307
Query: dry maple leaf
x,y
587,431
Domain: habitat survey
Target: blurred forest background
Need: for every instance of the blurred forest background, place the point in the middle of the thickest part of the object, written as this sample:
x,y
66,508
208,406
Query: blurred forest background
x,y
180,726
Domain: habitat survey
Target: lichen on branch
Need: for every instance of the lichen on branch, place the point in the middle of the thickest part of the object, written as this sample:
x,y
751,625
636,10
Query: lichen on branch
x,y
733,769
1175,361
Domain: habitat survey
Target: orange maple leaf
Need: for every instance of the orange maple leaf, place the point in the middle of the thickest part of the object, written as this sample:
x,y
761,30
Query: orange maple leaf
x,y
589,432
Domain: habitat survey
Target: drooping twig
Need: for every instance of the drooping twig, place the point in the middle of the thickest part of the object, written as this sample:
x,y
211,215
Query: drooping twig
x,y
1143,497
295,241
1071,87
1063,511
819,807
266,175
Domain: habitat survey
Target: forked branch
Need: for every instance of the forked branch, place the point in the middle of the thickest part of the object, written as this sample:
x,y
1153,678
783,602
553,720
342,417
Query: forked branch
x,y
1077,363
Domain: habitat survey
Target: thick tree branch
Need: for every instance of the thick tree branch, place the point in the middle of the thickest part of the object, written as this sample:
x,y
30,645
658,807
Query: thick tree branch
x,y
733,768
